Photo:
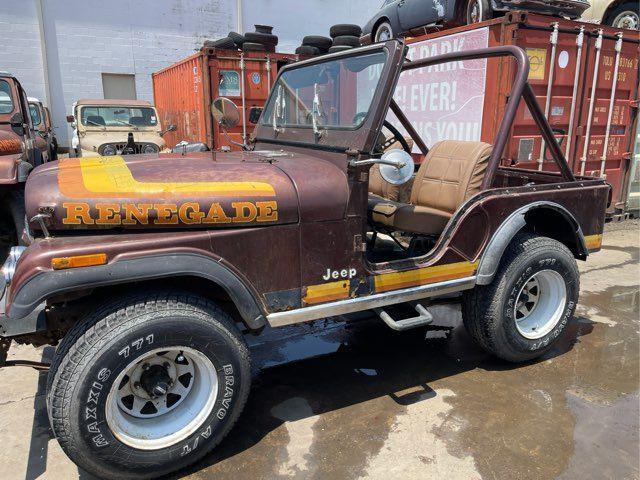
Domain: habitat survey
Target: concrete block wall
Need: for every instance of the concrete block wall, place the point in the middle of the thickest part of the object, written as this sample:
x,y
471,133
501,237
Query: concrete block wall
x,y
85,38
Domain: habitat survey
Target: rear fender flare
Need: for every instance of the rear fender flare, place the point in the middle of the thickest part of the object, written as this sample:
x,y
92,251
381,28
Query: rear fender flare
x,y
490,260
51,283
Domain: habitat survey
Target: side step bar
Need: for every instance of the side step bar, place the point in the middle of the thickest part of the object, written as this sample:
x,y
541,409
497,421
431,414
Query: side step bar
x,y
423,318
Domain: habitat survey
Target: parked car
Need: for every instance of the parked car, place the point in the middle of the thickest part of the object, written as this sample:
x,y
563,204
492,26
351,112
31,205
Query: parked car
x,y
398,17
151,270
616,13
44,135
115,127
19,154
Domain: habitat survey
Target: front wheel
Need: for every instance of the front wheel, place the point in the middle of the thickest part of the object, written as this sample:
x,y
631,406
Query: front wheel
x,y
147,385
527,306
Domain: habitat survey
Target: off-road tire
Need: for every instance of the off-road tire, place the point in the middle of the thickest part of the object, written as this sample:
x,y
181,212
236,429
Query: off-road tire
x,y
225,43
307,50
346,40
253,47
263,38
323,43
237,39
100,346
345,29
488,310
340,48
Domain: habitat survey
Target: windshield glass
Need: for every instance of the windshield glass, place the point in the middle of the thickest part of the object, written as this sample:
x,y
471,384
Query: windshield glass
x,y
6,100
336,94
34,111
118,117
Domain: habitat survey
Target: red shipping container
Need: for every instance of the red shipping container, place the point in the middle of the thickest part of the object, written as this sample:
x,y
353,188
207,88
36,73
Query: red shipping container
x,y
466,100
184,91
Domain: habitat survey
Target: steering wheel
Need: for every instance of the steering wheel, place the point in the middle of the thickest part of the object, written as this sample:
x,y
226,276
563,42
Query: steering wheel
x,y
396,137
382,146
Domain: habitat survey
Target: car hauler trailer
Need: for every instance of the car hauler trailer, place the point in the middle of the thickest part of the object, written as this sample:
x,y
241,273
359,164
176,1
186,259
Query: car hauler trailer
x,y
183,93
571,63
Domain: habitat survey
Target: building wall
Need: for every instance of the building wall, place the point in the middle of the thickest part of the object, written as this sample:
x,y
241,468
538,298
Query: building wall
x,y
85,38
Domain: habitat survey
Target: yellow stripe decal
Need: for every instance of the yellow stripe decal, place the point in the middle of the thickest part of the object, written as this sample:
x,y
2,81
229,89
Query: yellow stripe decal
x,y
112,175
423,276
593,242
327,292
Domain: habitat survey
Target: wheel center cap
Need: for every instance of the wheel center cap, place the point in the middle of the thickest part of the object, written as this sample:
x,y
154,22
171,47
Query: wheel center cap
x,y
156,381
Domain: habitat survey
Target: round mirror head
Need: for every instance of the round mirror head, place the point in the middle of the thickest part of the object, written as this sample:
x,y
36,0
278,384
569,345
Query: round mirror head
x,y
393,174
225,112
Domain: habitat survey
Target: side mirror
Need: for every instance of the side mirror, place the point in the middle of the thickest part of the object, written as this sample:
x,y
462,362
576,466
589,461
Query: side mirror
x,y
225,113
396,166
17,123
71,119
170,128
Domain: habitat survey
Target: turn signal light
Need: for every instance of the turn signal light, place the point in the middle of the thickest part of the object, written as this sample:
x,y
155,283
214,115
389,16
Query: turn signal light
x,y
79,261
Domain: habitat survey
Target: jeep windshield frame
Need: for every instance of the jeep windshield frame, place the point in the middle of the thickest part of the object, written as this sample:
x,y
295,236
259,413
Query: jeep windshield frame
x,y
335,136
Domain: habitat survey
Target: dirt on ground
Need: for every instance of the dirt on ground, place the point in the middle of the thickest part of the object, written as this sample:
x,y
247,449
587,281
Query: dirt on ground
x,y
343,399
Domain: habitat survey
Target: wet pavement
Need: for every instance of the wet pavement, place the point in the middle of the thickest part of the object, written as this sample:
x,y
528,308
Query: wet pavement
x,y
349,400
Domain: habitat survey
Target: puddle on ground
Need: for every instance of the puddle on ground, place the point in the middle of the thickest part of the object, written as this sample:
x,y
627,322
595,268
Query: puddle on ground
x,y
348,400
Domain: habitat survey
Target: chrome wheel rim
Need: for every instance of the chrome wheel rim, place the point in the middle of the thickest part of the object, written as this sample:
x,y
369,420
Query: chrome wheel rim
x,y
162,397
383,34
627,19
540,304
475,12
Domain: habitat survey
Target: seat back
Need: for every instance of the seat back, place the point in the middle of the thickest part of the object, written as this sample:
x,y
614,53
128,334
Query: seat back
x,y
451,173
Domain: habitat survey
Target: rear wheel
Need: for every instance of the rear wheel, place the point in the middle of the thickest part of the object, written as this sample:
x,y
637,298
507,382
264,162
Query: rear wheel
x,y
477,11
525,309
383,33
625,15
147,385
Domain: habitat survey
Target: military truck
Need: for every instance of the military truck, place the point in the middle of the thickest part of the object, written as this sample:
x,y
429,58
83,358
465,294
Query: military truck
x,y
151,271
115,127
19,153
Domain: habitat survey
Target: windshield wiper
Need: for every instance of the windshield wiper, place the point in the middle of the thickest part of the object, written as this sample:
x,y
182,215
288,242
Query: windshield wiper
x,y
316,112
127,124
91,122
278,110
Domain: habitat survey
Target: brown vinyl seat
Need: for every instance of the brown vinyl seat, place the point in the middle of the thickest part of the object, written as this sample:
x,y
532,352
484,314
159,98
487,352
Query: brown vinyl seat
x,y
451,173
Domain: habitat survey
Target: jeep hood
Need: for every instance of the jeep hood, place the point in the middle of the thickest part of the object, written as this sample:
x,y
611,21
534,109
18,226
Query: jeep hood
x,y
161,191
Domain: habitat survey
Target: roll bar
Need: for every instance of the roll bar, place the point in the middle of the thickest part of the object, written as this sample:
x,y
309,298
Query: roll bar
x,y
521,89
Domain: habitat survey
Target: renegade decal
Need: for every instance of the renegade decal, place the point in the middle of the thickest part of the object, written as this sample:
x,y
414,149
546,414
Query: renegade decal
x,y
110,177
327,292
188,213
593,242
422,276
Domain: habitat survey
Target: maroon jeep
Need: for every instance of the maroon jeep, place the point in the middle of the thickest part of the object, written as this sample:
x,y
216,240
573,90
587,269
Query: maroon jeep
x,y
19,153
150,270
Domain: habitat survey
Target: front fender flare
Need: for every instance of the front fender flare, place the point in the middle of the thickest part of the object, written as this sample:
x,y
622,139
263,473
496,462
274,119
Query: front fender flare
x,y
492,255
47,284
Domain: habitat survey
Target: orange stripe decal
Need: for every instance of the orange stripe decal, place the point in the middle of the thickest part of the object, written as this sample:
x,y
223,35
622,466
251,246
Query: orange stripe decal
x,y
327,292
110,177
423,276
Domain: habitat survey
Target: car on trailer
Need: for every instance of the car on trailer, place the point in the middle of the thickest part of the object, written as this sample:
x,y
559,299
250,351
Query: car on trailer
x,y
615,13
401,17
151,271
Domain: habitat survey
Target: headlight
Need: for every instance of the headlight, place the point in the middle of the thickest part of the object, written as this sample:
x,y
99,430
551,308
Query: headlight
x,y
109,150
150,148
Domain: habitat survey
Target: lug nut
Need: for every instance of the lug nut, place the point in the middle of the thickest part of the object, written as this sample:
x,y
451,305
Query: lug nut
x,y
145,366
179,358
137,385
166,365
